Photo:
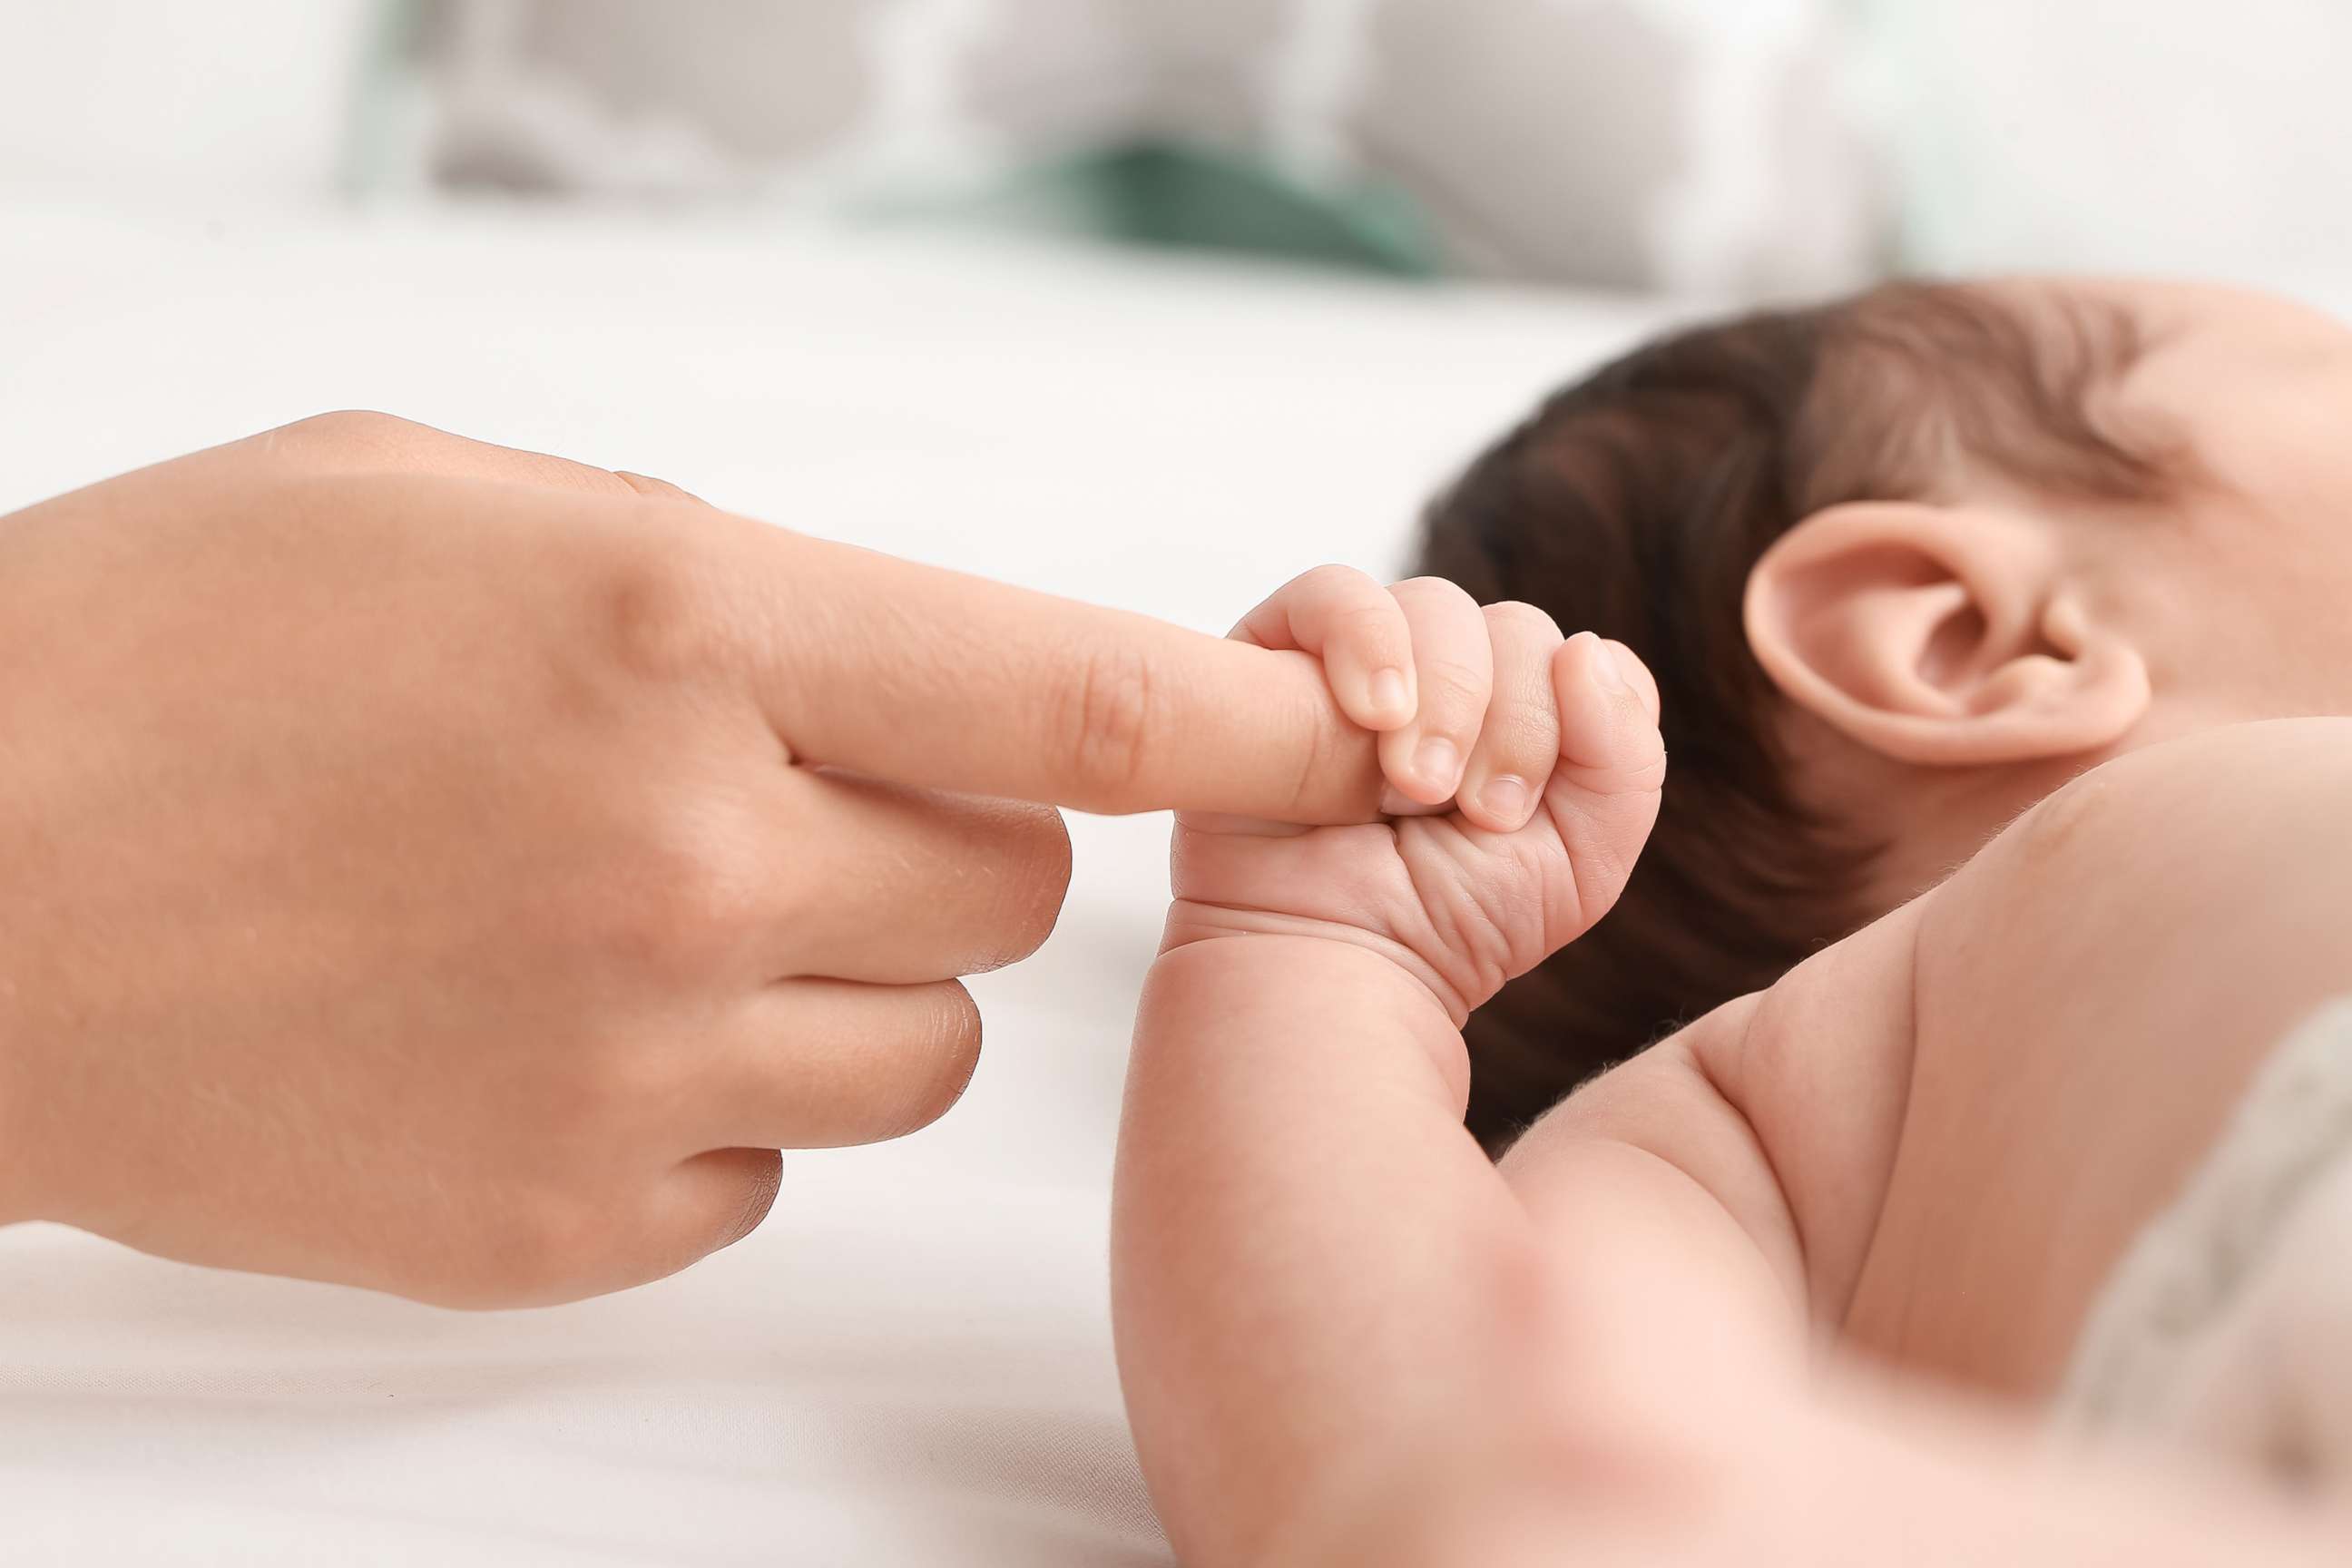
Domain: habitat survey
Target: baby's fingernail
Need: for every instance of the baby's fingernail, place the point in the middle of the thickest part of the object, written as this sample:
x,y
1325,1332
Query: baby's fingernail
x,y
1607,668
1439,762
1389,698
1505,798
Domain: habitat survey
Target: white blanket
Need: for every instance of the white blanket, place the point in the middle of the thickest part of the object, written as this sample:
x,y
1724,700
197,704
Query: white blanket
x,y
910,1363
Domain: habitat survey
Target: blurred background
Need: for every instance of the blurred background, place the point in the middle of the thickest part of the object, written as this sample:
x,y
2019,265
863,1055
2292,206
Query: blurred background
x,y
1715,147
1150,302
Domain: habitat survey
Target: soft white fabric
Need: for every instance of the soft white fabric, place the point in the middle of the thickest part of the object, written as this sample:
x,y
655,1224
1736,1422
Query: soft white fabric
x,y
910,1363
2228,1326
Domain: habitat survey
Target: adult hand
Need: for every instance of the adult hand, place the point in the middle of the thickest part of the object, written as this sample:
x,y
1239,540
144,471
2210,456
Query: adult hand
x,y
456,871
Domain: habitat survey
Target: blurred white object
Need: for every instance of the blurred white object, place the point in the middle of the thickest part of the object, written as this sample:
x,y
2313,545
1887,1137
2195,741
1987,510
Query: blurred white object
x,y
1686,144
2142,135
151,98
2226,1329
909,1365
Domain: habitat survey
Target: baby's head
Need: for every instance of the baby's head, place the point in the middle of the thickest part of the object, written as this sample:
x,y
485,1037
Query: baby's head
x,y
1902,565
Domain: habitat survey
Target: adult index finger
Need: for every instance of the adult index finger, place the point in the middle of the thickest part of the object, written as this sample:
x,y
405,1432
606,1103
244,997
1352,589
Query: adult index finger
x,y
932,677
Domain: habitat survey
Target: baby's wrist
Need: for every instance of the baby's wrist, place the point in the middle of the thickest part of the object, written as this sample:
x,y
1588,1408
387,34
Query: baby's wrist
x,y
1308,946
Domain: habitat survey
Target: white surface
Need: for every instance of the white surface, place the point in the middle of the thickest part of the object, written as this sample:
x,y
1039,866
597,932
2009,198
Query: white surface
x,y
252,101
910,1363
2121,135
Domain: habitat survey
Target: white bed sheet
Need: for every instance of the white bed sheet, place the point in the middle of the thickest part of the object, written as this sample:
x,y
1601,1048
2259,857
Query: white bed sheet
x,y
910,1363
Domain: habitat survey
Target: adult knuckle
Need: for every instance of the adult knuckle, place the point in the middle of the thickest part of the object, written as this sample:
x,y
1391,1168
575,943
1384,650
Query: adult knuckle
x,y
347,427
344,435
758,1177
951,1024
735,1190
625,1069
1111,722
685,896
1036,843
945,1036
663,619
694,904
653,488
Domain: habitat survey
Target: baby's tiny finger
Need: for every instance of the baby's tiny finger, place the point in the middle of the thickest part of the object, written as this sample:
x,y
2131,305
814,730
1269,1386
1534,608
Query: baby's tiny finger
x,y
1453,666
1604,796
1644,683
1520,743
1350,622
1608,728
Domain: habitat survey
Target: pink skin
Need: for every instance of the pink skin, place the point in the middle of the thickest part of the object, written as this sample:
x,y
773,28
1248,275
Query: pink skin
x,y
460,871
1949,660
1553,799
1346,1337
1352,953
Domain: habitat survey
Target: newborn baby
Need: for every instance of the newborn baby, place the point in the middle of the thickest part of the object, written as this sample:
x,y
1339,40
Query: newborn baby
x,y
1880,637
1902,565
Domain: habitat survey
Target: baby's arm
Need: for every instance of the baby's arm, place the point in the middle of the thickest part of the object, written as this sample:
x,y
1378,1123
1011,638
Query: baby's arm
x,y
1346,1338
1781,1110
1312,1260
1323,1286
1321,1283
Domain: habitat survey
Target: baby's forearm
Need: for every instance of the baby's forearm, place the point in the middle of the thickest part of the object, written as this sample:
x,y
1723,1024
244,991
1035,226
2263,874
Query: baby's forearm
x,y
1323,1288
1312,1258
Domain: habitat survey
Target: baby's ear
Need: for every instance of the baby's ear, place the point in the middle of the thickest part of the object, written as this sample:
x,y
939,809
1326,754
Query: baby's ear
x,y
1945,636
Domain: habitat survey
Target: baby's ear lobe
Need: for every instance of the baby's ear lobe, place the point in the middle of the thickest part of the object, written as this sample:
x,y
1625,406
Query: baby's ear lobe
x,y
1945,636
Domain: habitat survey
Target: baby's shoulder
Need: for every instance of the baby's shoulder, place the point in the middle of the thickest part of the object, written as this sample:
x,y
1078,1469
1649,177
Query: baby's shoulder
x,y
2090,995
2226,783
1882,1039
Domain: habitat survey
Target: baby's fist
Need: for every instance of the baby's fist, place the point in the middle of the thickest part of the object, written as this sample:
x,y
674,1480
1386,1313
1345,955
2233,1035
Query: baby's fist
x,y
1524,771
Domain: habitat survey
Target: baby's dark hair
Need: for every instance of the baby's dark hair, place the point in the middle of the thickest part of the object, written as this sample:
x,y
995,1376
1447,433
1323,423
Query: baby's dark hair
x,y
1635,501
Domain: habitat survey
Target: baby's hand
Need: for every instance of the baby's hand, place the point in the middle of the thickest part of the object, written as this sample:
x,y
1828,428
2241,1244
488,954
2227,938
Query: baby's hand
x,y
1523,773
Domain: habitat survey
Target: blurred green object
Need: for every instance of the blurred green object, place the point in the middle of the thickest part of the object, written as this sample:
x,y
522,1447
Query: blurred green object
x,y
1175,196
1153,193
